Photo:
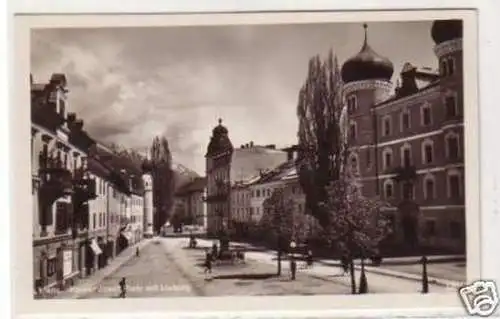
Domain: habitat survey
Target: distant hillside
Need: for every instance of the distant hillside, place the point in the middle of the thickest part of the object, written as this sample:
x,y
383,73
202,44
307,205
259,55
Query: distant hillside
x,y
183,175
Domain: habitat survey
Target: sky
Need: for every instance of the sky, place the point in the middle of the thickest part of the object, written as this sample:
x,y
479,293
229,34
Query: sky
x,y
132,84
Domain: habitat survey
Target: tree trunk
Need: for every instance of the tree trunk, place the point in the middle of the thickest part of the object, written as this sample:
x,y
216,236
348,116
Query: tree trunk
x,y
279,261
353,278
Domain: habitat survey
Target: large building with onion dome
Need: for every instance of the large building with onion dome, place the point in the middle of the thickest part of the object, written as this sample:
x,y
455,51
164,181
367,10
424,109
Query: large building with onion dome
x,y
407,140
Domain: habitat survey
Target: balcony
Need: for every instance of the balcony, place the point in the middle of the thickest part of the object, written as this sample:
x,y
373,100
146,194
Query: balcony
x,y
56,179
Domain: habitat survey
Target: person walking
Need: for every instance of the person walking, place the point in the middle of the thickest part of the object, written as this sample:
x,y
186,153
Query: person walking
x,y
123,287
208,266
137,252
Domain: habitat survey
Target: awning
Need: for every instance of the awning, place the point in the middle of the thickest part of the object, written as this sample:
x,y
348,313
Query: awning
x,y
95,247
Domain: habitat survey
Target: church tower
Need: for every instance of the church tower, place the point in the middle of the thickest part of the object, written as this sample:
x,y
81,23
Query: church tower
x,y
147,180
367,81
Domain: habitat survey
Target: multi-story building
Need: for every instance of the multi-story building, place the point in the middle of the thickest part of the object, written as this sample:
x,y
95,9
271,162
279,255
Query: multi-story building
x,y
226,165
408,146
61,187
79,191
191,197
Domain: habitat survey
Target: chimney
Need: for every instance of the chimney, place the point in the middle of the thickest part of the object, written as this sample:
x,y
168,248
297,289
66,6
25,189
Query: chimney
x,y
78,124
408,78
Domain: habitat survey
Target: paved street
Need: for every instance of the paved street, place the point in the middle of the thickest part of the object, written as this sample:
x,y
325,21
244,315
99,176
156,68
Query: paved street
x,y
153,274
167,268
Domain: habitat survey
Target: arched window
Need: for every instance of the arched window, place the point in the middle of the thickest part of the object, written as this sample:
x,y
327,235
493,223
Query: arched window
x,y
388,188
429,187
387,158
452,146
454,184
352,104
386,125
405,120
426,115
444,67
406,155
451,66
450,103
427,151
352,131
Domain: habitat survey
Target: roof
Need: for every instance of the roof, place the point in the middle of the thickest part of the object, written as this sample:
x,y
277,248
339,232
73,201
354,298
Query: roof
x,y
396,97
198,184
277,173
247,163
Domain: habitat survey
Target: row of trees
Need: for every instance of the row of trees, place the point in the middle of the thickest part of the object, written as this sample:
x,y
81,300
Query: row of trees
x,y
350,223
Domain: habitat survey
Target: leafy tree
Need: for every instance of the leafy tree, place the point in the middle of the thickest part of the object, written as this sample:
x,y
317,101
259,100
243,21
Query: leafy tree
x,y
357,223
321,143
282,219
163,180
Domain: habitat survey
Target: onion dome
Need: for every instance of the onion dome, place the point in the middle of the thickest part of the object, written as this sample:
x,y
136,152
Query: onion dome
x,y
367,65
446,30
219,129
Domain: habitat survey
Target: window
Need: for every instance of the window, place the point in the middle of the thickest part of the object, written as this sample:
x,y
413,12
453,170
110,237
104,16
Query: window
x,y
406,155
352,131
427,151
93,221
354,163
269,192
452,148
407,190
454,186
387,158
51,266
455,230
258,193
405,120
444,67
351,104
429,188
451,106
63,216
430,228
65,160
388,189
386,126
451,66
426,115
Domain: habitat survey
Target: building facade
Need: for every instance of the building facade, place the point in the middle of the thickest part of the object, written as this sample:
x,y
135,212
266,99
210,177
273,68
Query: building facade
x,y
80,192
191,197
408,146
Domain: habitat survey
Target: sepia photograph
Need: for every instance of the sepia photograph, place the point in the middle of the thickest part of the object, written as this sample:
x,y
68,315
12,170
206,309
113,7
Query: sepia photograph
x,y
287,159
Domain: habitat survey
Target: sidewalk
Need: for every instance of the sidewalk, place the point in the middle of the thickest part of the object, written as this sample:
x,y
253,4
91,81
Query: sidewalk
x,y
267,255
91,283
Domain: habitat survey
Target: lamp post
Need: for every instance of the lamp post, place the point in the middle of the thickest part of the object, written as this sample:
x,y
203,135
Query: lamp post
x,y
425,278
293,263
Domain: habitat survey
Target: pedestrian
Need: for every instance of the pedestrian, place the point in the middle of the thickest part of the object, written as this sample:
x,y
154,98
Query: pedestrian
x,y
309,258
293,267
345,265
214,250
137,252
208,267
123,288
